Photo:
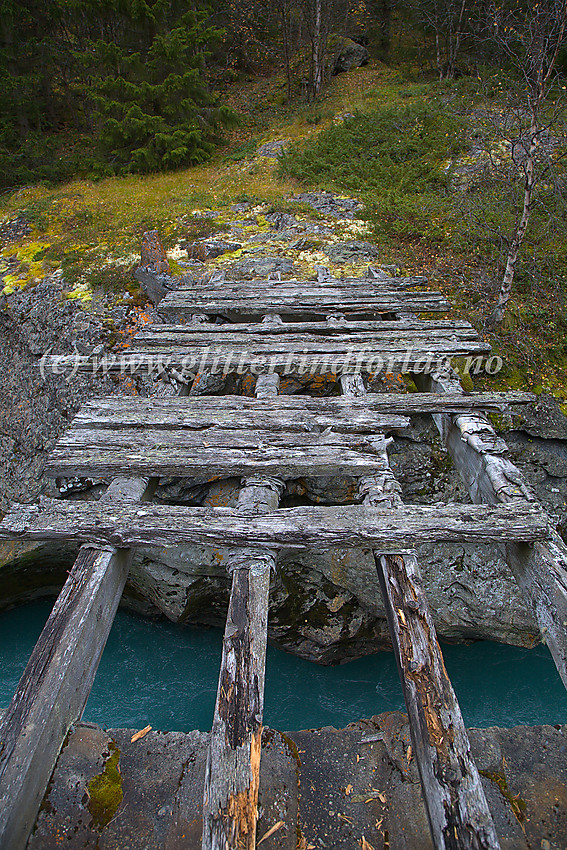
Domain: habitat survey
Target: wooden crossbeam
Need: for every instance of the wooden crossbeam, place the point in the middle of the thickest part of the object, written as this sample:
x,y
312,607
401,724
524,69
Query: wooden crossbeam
x,y
322,527
334,324
375,412
289,300
305,285
317,357
292,332
454,798
104,452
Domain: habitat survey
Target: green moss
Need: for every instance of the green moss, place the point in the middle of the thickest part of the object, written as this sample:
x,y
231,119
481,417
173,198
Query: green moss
x,y
516,803
105,790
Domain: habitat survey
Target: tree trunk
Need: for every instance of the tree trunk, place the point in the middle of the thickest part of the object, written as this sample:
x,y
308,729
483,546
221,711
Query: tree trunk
x,y
316,52
521,226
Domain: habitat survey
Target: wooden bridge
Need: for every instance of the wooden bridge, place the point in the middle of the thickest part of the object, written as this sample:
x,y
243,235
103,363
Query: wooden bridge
x,y
274,328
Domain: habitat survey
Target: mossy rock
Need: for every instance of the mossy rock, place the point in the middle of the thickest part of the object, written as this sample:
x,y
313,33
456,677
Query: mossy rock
x,y
105,790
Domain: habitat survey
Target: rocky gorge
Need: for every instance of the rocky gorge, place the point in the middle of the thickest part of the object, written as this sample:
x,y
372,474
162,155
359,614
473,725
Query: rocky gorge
x,y
325,606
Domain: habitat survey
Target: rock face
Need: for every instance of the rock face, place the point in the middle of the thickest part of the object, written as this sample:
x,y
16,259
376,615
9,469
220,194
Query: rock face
x,y
327,788
329,204
261,267
153,253
352,55
351,252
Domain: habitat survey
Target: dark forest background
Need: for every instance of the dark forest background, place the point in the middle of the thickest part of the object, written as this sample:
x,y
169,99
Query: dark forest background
x,y
102,87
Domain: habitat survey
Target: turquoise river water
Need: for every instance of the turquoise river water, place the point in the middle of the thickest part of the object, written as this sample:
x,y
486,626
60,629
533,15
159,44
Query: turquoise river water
x,y
166,675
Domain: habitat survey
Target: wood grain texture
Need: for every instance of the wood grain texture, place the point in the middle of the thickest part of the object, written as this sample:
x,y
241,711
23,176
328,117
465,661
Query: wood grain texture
x,y
457,810
290,300
104,452
261,356
335,324
358,415
456,806
55,686
349,525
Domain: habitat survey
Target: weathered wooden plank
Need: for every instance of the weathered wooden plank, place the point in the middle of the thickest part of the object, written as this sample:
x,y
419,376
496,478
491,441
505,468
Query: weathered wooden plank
x,y
57,680
333,324
454,798
457,810
288,301
287,413
351,525
285,337
258,358
232,776
376,282
491,478
107,452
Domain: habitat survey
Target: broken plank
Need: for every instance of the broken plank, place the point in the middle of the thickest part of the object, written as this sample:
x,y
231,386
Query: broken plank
x,y
322,527
232,777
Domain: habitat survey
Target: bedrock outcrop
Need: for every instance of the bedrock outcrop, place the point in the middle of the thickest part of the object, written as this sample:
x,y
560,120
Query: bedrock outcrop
x,y
325,788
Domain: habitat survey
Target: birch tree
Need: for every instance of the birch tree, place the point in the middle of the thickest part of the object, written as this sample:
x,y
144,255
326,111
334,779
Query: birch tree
x,y
530,40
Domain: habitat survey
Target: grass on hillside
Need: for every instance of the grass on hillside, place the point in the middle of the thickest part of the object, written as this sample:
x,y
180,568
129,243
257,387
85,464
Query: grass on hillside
x,y
397,154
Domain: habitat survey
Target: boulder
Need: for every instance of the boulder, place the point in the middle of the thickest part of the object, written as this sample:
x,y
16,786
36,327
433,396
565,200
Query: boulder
x,y
352,55
351,252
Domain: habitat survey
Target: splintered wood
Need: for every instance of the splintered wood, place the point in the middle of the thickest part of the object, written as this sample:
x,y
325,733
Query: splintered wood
x,y
457,810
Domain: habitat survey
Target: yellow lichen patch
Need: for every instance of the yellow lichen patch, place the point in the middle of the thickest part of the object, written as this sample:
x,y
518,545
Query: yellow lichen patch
x,y
30,268
81,292
105,790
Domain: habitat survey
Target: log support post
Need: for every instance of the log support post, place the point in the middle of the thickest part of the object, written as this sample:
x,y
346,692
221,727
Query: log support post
x,y
232,776
59,675
456,806
480,456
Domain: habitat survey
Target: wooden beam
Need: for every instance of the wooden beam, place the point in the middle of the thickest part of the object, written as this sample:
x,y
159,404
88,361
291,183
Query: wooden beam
x,y
289,300
285,413
265,357
457,810
540,569
293,339
104,452
232,776
375,282
331,327
324,527
57,680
